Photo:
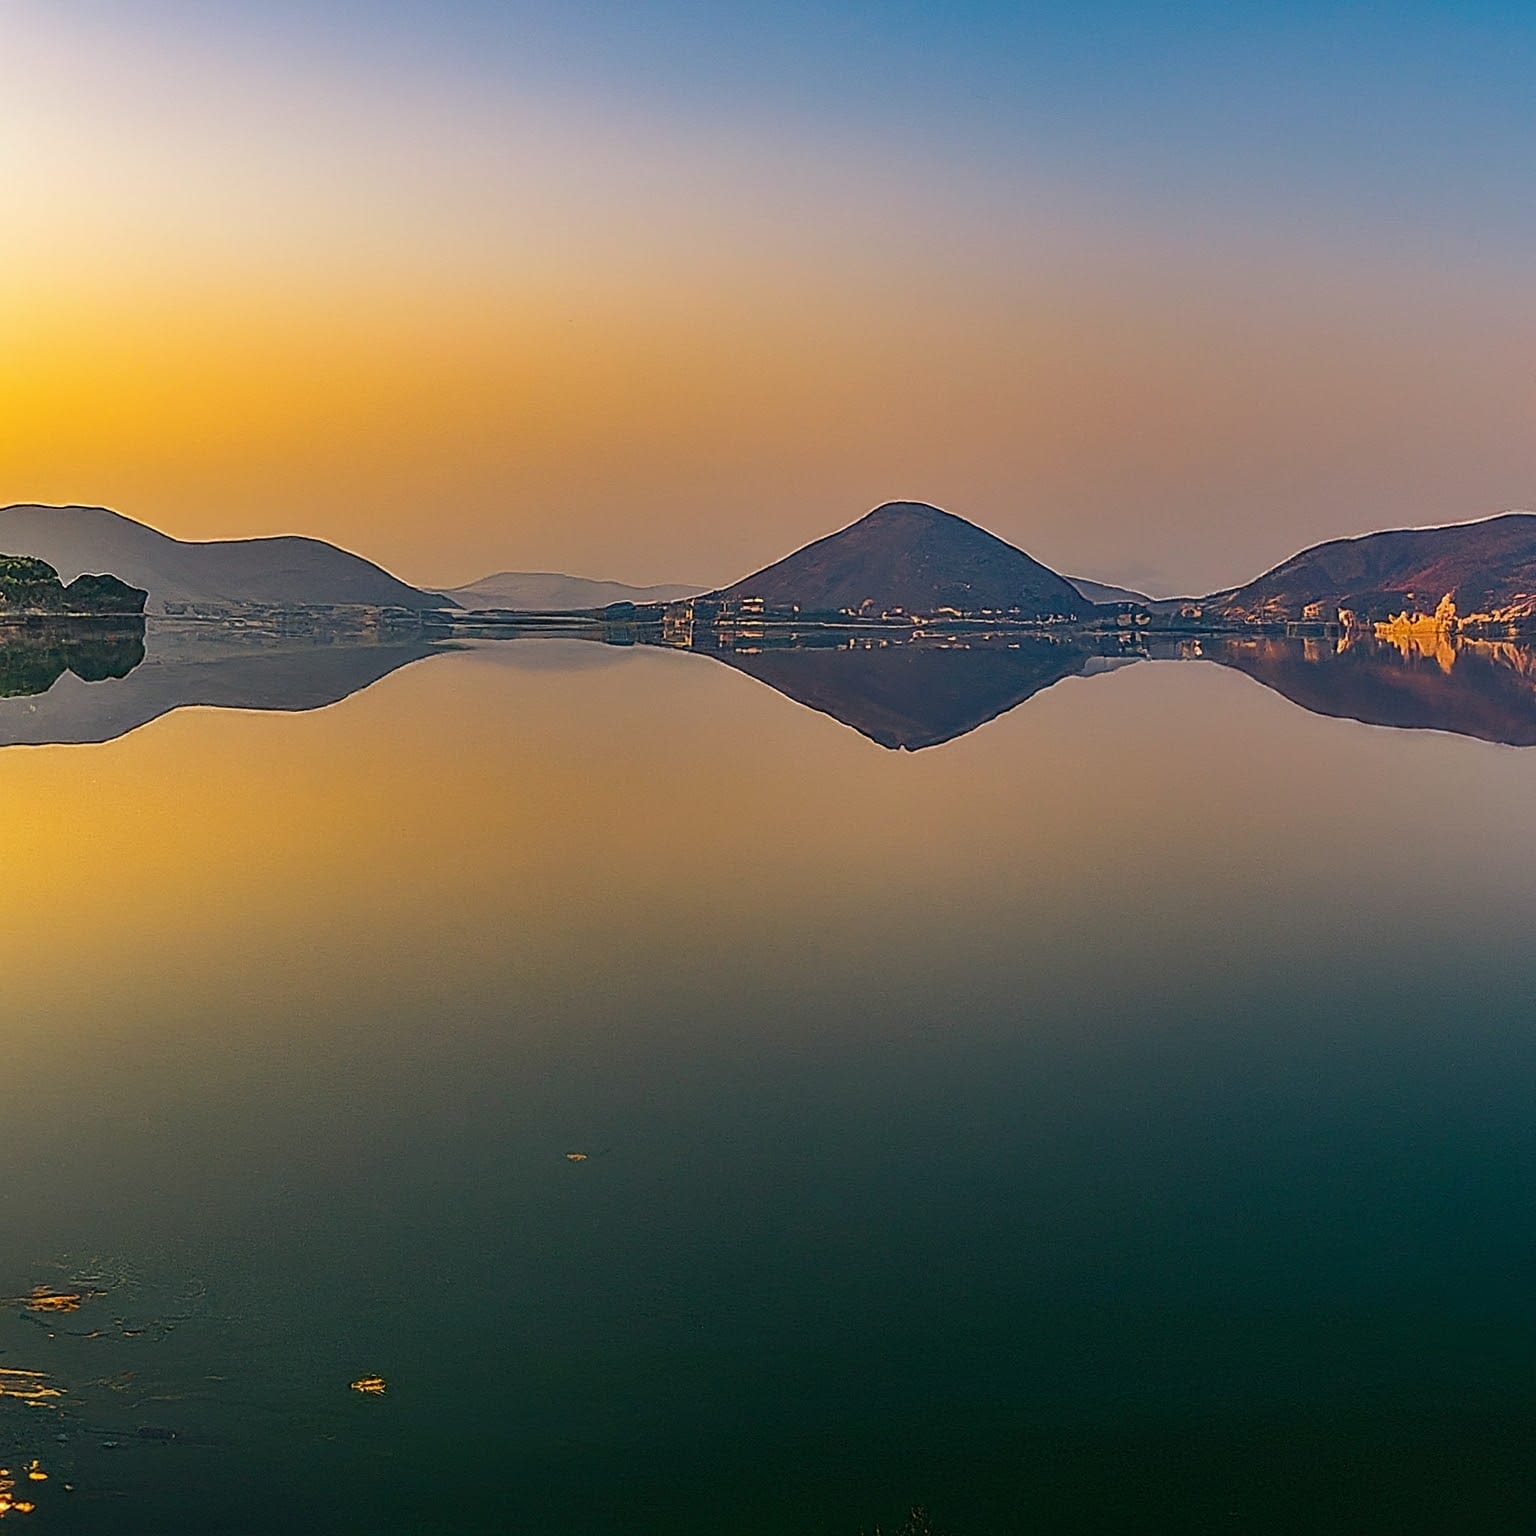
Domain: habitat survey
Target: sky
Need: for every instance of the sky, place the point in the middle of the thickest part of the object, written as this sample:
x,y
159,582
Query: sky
x,y
660,291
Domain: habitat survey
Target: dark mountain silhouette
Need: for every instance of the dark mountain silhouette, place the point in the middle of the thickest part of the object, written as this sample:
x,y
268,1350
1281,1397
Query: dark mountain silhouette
x,y
917,693
553,592
1487,568
1484,689
911,557
280,572
94,683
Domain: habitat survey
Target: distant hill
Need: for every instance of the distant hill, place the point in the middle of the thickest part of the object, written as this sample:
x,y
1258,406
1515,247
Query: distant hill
x,y
1102,592
907,555
293,571
552,591
1487,568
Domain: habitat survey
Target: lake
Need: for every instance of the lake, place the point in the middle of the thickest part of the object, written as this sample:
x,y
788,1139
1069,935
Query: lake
x,y
1114,1115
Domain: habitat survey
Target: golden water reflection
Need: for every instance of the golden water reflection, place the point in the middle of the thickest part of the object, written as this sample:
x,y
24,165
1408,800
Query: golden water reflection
x,y
27,1386
13,1488
498,907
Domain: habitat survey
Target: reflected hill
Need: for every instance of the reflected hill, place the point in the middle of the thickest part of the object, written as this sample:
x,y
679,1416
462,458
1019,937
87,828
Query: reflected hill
x,y
909,692
89,686
93,681
35,654
1480,688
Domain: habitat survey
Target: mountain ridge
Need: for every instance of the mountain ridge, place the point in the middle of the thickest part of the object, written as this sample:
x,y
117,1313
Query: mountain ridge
x,y
1485,566
286,569
555,590
1106,592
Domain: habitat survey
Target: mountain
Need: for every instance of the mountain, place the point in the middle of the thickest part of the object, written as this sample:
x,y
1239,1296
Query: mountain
x,y
1487,568
554,592
283,572
1103,592
909,556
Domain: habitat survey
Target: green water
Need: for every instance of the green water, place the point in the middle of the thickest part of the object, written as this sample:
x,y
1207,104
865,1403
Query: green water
x,y
1115,1119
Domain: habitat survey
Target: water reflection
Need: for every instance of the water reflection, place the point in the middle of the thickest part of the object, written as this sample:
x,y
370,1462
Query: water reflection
x,y
13,1489
26,1386
35,655
1480,688
914,693
1090,1118
903,690
918,692
93,683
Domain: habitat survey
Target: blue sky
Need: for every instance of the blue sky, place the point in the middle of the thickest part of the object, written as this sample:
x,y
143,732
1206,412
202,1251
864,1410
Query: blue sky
x,y
1163,290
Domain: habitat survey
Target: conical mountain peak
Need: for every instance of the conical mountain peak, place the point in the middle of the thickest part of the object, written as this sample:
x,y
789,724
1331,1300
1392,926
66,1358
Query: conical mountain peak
x,y
907,557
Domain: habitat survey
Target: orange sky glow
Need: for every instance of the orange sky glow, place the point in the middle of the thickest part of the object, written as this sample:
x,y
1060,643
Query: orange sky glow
x,y
473,330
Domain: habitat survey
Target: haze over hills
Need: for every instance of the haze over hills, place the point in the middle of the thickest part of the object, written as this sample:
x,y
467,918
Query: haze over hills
x,y
1487,568
910,557
551,591
1104,592
286,571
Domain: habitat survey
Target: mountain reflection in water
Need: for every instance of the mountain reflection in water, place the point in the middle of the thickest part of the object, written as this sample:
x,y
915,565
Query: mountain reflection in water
x,y
1113,1121
1481,688
34,655
85,682
914,693
919,692
904,690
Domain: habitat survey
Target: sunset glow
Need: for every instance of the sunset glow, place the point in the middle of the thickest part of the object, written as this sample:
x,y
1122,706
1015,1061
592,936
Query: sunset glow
x,y
542,287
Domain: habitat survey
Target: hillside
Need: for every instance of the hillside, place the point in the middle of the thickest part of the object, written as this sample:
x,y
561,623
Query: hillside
x,y
555,592
914,558
1104,592
1487,568
287,571
32,586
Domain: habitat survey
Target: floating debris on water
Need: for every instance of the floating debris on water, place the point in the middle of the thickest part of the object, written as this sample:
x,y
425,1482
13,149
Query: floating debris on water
x,y
370,1386
10,1503
43,1300
141,1308
47,1298
27,1386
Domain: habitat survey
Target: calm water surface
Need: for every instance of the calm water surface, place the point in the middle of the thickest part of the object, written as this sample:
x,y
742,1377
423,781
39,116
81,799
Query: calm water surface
x,y
1115,1119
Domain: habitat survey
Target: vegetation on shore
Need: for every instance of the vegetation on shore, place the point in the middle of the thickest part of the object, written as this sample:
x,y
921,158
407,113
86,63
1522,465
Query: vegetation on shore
x,y
29,586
